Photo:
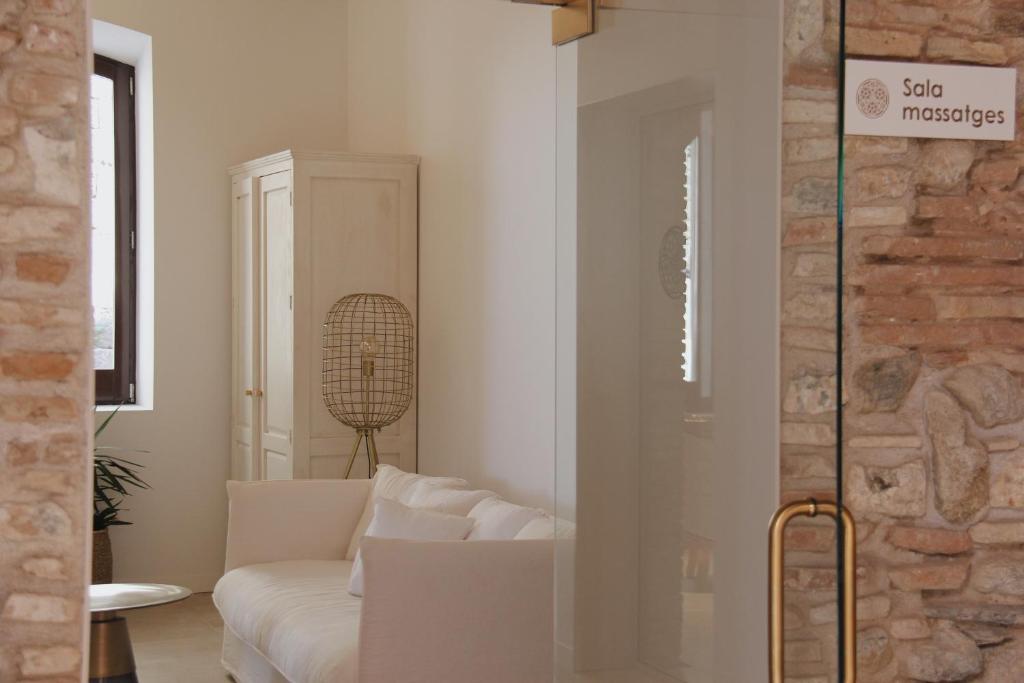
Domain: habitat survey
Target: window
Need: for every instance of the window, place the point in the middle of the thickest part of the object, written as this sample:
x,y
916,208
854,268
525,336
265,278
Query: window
x,y
113,230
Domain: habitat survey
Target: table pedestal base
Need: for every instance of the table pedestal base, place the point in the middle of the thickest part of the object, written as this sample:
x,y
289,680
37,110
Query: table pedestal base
x,y
110,650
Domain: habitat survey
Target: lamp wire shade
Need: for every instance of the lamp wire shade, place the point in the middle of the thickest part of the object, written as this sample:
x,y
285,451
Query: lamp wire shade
x,y
367,370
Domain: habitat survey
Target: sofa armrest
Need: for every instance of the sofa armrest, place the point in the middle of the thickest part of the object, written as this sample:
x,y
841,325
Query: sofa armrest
x,y
309,519
457,611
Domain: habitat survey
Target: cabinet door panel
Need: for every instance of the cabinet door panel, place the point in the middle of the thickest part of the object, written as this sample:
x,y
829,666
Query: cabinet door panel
x,y
244,331
277,278
364,239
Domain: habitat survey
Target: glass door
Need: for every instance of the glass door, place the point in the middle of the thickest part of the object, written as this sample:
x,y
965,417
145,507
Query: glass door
x,y
696,340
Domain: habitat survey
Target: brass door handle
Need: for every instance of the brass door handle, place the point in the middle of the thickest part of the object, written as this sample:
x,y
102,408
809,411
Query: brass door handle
x,y
776,587
254,392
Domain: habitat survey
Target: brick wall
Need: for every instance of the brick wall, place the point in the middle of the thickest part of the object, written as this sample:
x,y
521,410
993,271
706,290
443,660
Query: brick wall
x,y
934,333
45,367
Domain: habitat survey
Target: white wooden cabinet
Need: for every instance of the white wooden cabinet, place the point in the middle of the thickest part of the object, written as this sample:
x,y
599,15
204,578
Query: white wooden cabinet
x,y
307,229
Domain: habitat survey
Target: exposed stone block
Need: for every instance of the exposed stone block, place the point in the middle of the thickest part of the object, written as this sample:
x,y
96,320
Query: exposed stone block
x,y
910,629
869,608
892,491
998,533
884,384
1000,174
985,613
874,650
877,441
43,268
50,661
51,568
930,540
944,164
948,656
804,23
38,608
952,208
943,248
806,538
806,231
990,393
882,182
1008,479
808,111
43,89
802,650
876,216
36,409
808,434
811,395
975,307
37,365
805,150
882,43
1000,576
962,50
936,576
20,521
959,461
894,308
1004,664
49,40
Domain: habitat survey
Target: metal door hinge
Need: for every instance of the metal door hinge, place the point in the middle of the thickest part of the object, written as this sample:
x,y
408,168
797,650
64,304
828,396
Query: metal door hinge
x,y
131,392
571,20
131,86
131,236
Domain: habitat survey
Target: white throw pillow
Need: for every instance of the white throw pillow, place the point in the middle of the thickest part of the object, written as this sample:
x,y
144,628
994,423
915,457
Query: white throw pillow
x,y
391,483
451,501
542,528
394,520
497,520
546,528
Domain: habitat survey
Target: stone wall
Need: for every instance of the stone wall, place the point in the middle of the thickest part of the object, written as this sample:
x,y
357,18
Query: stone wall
x,y
934,334
45,361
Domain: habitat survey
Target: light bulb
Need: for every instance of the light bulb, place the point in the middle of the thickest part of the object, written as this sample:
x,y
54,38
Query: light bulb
x,y
369,345
368,354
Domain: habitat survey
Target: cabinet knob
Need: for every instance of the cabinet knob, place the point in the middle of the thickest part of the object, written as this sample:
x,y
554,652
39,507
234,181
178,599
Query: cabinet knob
x,y
248,392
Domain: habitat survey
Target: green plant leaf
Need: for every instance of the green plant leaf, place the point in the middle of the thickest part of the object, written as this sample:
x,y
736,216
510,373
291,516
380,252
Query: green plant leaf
x,y
103,425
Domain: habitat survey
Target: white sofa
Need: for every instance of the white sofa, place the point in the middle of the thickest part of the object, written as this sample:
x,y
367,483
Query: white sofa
x,y
432,611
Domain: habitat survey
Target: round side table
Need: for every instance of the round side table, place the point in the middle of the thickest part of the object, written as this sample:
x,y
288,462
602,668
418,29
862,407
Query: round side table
x,y
110,649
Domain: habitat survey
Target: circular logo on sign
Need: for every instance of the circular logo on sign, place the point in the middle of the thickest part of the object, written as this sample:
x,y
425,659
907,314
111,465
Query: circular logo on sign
x,y
872,98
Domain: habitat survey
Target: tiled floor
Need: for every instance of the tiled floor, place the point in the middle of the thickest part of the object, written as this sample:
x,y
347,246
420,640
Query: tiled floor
x,y
178,643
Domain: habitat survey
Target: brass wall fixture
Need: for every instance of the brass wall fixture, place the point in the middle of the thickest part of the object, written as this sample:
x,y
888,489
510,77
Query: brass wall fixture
x,y
571,20
776,588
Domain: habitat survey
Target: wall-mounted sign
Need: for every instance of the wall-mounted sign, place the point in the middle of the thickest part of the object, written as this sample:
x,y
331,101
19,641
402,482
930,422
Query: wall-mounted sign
x,y
914,100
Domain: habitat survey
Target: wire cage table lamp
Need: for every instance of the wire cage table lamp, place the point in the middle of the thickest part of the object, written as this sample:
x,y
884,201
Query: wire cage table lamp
x,y
367,369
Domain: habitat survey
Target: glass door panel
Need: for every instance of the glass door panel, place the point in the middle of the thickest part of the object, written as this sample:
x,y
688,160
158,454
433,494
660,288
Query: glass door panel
x,y
679,173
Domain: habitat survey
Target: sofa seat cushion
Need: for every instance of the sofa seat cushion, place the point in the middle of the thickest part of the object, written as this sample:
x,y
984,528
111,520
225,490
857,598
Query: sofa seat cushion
x,y
298,614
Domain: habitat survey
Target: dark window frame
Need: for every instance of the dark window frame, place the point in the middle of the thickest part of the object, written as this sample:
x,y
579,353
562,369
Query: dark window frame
x,y
117,386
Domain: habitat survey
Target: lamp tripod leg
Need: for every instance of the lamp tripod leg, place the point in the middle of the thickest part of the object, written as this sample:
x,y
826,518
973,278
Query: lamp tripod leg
x,y
355,452
371,452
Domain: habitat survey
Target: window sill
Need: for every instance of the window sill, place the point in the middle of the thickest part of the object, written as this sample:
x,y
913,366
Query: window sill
x,y
134,408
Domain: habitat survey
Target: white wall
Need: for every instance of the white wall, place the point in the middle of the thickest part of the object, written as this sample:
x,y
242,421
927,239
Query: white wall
x,y
234,79
470,86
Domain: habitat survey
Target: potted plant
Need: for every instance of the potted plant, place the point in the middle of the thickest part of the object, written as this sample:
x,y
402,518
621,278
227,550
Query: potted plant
x,y
113,479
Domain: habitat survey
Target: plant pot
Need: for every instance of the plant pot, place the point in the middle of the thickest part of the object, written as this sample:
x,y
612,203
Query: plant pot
x,y
102,558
